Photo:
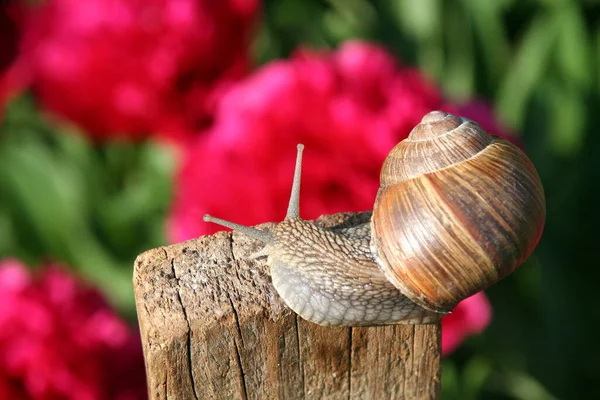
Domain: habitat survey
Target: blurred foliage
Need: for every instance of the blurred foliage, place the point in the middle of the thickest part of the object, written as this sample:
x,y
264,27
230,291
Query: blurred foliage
x,y
536,61
92,207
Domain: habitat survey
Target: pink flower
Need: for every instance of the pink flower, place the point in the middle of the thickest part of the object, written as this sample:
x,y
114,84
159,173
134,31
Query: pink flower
x,y
133,67
349,108
471,316
59,339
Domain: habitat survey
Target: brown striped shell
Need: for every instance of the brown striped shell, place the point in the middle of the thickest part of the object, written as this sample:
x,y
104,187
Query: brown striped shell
x,y
457,210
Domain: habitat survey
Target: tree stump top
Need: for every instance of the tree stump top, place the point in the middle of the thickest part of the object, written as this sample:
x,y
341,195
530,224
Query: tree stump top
x,y
214,327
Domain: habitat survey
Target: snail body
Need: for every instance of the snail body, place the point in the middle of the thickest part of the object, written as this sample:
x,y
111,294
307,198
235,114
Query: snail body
x,y
329,276
457,210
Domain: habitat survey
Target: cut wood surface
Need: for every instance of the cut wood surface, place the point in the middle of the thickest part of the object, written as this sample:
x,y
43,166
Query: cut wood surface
x,y
213,327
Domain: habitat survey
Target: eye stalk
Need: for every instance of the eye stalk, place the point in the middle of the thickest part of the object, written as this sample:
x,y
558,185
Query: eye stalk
x,y
293,210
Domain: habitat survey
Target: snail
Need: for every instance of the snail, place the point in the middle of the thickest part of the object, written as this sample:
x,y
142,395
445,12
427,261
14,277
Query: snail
x,y
457,210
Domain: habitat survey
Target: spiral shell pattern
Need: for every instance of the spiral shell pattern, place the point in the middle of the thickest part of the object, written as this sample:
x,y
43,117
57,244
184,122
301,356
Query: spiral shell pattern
x,y
457,210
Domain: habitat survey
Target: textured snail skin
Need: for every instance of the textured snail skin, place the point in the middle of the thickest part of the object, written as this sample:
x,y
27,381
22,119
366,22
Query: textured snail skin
x,y
458,209
329,277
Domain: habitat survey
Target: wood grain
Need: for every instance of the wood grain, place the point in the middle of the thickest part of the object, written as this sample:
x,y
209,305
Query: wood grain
x,y
213,327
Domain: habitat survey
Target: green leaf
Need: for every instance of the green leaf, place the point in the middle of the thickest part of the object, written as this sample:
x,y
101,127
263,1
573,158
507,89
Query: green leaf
x,y
488,24
422,21
525,387
573,52
459,74
450,381
528,68
474,376
567,113
349,18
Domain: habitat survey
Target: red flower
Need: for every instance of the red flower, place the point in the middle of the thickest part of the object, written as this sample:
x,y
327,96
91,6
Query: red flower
x,y
471,316
59,339
8,35
133,67
10,13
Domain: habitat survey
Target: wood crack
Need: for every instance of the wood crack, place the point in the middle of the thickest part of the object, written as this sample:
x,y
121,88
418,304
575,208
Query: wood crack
x,y
235,264
300,363
350,362
166,387
189,332
237,350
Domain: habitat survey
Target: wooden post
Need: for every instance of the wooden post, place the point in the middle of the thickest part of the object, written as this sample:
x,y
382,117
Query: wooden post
x,y
213,327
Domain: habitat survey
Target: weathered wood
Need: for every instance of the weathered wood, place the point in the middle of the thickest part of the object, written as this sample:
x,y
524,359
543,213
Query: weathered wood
x,y
213,327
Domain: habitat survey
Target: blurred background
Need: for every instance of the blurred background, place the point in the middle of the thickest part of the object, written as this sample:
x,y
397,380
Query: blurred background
x,y
124,121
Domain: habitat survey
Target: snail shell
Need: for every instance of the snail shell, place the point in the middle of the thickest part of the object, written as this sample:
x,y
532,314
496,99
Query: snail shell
x,y
457,210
